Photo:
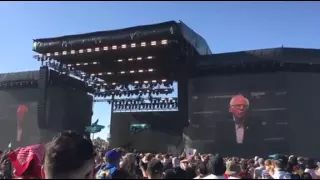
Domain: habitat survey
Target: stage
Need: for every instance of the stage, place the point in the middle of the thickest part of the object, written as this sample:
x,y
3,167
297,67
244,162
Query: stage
x,y
134,69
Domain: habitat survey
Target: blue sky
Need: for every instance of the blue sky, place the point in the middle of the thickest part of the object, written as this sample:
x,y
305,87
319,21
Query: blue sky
x,y
227,26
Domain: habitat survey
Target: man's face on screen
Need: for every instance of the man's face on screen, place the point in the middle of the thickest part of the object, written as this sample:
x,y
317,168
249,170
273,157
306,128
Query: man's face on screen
x,y
239,107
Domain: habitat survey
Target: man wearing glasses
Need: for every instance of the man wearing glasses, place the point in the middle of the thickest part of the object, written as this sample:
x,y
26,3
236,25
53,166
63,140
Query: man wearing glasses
x,y
239,128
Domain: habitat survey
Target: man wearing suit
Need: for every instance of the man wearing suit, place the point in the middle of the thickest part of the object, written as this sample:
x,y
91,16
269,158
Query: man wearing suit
x,y
239,128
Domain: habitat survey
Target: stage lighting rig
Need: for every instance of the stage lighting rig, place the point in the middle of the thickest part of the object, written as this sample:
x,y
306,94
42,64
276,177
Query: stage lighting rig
x,y
143,104
136,61
134,92
103,48
110,54
122,75
108,89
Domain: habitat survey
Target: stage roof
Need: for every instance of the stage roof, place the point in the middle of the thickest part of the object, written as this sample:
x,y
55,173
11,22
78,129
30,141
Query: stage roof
x,y
137,33
283,54
270,60
19,76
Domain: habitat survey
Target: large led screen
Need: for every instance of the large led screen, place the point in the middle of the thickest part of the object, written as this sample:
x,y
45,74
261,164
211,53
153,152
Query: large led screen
x,y
241,111
18,117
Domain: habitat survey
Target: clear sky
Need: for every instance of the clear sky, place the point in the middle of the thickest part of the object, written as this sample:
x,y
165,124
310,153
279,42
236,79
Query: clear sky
x,y
227,26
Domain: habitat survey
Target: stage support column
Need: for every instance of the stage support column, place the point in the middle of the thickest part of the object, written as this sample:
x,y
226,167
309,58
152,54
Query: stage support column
x,y
42,102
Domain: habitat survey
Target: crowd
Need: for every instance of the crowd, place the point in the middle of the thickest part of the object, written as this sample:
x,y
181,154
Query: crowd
x,y
73,156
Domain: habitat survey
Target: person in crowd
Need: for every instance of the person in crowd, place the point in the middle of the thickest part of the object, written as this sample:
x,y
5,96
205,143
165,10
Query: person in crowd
x,y
167,162
131,158
258,171
184,164
120,174
318,170
251,167
112,164
280,163
201,170
311,168
159,157
155,169
190,172
180,173
256,163
170,174
268,167
306,176
216,168
175,162
197,158
205,158
138,171
293,167
99,161
125,165
300,165
233,170
301,162
6,166
143,164
244,174
27,161
69,156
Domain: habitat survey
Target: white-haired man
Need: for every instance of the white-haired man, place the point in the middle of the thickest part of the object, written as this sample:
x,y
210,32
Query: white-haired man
x,y
240,128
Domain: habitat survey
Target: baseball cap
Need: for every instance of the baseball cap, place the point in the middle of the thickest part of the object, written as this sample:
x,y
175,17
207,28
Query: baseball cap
x,y
112,155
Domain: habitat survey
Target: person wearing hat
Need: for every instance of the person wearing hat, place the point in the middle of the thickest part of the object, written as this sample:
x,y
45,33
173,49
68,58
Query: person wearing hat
x,y
113,161
233,170
280,163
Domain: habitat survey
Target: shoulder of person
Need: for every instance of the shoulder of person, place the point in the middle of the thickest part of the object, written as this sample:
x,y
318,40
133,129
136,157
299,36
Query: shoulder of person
x,y
225,121
211,176
287,176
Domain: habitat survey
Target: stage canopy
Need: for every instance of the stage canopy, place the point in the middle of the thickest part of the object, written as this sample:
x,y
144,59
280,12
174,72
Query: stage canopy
x,y
273,59
138,33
